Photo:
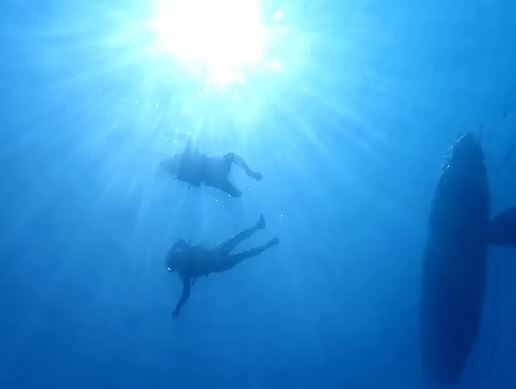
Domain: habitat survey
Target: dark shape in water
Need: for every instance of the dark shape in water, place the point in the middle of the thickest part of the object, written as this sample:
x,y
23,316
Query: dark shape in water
x,y
502,229
455,261
196,168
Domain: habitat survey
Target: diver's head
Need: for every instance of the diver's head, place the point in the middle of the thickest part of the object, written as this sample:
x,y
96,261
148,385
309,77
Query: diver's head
x,y
171,263
174,255
171,165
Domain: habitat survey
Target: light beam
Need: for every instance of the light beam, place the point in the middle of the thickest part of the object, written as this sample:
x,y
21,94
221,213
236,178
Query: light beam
x,y
221,41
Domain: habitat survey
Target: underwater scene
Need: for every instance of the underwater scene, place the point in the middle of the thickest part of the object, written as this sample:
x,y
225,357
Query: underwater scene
x,y
257,194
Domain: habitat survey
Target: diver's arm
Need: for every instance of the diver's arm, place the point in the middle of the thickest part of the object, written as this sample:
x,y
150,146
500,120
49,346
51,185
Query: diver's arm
x,y
184,297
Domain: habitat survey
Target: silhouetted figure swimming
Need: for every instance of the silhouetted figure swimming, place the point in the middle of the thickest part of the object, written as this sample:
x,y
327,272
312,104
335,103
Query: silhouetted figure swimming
x,y
455,261
195,168
191,262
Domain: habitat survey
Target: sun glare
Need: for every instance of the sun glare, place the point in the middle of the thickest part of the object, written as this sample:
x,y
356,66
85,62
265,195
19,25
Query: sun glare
x,y
221,40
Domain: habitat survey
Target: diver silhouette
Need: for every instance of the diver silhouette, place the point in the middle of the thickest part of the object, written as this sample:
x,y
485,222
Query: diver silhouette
x,y
195,168
191,262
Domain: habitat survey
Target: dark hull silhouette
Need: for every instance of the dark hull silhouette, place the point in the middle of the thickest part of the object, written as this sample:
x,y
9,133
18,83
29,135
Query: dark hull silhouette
x,y
455,263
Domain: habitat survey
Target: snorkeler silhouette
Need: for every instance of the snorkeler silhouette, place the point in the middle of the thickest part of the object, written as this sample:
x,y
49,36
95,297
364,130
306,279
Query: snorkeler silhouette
x,y
191,262
195,168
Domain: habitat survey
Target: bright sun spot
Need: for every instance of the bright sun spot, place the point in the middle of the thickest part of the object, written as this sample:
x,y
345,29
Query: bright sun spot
x,y
219,40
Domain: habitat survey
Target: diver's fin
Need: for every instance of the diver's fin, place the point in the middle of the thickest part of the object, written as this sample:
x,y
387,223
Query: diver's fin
x,y
502,229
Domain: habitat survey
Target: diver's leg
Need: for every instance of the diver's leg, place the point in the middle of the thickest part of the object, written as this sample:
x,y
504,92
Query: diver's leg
x,y
238,160
230,244
232,260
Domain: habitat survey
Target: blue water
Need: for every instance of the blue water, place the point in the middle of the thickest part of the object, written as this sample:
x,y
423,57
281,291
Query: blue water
x,y
350,140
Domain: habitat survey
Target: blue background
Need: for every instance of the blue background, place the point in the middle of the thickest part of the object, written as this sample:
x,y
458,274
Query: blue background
x,y
350,140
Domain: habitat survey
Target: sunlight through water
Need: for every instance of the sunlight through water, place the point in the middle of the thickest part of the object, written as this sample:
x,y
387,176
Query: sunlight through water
x,y
220,41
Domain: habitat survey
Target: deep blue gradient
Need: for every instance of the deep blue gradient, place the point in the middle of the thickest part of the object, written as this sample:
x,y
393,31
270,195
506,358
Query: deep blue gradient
x,y
349,138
